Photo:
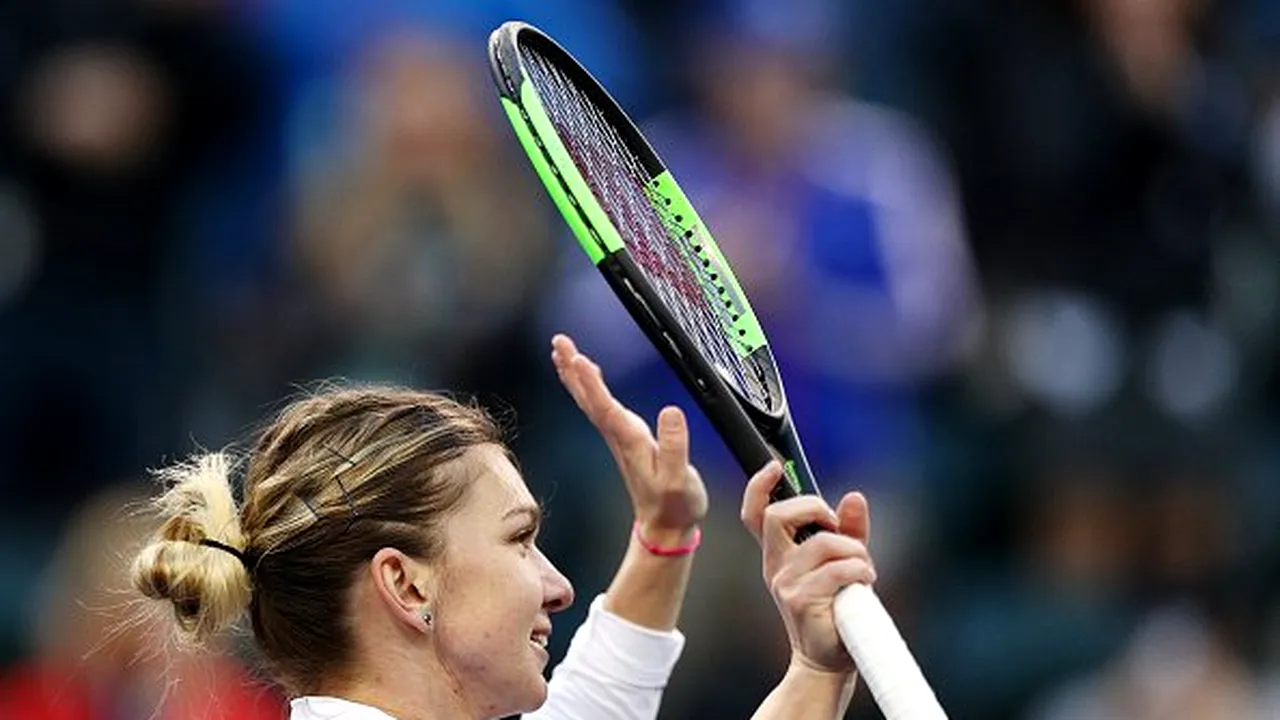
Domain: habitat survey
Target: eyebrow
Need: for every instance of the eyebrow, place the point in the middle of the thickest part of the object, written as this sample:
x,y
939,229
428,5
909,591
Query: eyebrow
x,y
534,512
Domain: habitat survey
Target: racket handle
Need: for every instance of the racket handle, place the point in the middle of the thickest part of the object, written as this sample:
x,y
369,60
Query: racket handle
x,y
882,657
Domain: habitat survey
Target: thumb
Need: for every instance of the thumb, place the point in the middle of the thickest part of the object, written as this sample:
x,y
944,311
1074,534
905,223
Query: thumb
x,y
854,516
673,444
756,497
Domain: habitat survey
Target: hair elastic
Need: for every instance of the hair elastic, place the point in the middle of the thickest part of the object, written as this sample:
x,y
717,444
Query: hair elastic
x,y
678,551
239,554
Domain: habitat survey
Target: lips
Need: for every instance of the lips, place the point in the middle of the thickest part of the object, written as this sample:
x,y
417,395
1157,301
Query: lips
x,y
541,635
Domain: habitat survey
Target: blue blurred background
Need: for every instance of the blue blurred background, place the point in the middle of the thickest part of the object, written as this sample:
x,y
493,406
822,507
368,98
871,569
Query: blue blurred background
x,y
1019,260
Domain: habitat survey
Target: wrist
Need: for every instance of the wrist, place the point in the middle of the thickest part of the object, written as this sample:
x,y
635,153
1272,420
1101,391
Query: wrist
x,y
831,690
802,668
666,541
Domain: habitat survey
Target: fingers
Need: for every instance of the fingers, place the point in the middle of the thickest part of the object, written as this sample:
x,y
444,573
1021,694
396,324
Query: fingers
x,y
807,581
673,445
821,584
572,374
817,556
854,516
585,382
756,497
562,353
775,525
812,574
783,519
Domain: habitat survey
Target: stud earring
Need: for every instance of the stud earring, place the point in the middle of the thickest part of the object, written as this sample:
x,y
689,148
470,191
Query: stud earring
x,y
426,616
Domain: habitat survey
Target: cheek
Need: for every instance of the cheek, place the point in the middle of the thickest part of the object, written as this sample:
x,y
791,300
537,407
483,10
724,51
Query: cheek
x,y
492,604
515,595
484,634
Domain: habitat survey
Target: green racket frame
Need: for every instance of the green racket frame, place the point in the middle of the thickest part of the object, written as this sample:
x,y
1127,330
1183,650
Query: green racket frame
x,y
753,434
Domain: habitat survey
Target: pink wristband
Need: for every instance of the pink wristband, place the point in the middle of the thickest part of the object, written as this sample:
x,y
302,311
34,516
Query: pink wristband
x,y
660,551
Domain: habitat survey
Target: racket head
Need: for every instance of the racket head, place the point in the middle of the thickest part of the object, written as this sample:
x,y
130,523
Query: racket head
x,y
637,226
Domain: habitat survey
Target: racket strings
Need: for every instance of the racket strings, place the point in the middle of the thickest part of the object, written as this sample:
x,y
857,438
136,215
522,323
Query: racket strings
x,y
727,303
599,157
756,370
683,280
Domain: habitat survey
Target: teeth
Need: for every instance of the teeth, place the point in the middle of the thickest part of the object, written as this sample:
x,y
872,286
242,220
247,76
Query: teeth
x,y
539,640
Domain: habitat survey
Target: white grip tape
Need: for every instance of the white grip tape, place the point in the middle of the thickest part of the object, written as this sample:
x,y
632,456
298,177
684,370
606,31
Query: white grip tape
x,y
882,657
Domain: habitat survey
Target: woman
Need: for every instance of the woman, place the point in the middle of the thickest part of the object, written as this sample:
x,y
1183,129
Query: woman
x,y
386,554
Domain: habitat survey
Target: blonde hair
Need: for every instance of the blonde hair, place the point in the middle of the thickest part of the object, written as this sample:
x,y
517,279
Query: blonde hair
x,y
335,477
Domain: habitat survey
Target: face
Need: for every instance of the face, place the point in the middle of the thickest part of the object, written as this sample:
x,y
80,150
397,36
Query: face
x,y
497,592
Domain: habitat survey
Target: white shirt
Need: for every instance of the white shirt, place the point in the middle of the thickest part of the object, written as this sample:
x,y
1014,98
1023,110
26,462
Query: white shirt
x,y
614,670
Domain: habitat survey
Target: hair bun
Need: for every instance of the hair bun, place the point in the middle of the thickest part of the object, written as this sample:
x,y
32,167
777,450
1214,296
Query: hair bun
x,y
209,586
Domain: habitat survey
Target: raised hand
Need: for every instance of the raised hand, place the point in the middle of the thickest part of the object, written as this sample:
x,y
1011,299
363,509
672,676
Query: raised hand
x,y
667,493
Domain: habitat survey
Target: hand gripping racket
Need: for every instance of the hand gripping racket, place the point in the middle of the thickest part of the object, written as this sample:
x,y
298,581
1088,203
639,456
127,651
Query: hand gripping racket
x,y
640,230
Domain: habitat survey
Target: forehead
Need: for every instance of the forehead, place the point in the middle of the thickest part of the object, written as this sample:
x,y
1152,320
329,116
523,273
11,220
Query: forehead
x,y
496,482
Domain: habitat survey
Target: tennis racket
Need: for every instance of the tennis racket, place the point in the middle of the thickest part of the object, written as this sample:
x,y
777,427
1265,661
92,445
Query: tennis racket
x,y
640,230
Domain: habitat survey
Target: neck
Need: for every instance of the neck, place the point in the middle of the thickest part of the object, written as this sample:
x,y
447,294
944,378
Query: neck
x,y
406,692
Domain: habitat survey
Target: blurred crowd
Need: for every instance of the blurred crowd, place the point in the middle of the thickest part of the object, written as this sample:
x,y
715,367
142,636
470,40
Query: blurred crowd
x,y
1020,263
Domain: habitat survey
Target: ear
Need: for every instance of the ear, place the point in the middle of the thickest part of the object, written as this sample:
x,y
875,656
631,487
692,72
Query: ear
x,y
404,585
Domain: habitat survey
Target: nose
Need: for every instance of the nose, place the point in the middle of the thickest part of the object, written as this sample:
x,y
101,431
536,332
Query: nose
x,y
557,591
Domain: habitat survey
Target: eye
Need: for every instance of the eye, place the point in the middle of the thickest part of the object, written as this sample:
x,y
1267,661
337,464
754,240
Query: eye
x,y
526,536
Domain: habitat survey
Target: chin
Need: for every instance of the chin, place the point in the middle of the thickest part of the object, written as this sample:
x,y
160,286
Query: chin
x,y
534,696
538,696
529,697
